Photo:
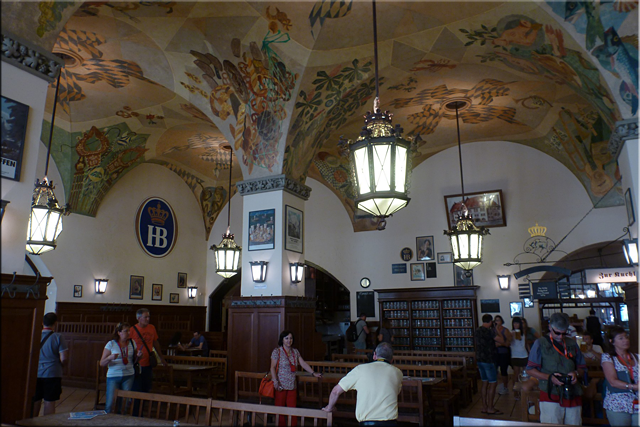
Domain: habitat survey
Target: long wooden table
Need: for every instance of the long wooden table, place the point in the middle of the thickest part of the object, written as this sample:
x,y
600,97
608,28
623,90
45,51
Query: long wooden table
x,y
62,419
189,371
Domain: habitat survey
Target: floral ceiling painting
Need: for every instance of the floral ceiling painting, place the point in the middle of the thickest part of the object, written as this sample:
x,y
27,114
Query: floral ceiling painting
x,y
174,83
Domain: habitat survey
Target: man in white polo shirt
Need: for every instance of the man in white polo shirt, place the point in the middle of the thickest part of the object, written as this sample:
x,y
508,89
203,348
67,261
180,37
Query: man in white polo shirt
x,y
378,384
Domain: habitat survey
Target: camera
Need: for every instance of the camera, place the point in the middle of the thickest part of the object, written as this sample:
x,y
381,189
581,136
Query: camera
x,y
566,391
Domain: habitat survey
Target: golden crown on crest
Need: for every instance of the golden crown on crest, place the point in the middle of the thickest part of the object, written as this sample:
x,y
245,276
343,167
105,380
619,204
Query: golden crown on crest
x,y
158,215
537,230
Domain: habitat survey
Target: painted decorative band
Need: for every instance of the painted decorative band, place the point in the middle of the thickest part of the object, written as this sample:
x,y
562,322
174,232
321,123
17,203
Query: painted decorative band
x,y
30,58
273,183
624,129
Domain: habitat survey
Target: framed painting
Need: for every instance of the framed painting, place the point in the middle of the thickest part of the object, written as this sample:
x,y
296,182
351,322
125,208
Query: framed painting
x,y
182,280
262,230
417,271
515,308
461,278
445,257
431,271
136,287
528,302
293,238
425,250
486,208
174,298
156,292
77,291
628,201
14,131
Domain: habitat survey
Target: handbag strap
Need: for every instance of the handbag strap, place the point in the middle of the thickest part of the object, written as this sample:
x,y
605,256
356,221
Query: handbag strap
x,y
141,337
45,339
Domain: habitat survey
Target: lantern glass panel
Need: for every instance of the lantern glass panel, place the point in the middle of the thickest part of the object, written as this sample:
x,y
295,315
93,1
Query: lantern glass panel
x,y
401,168
382,166
362,170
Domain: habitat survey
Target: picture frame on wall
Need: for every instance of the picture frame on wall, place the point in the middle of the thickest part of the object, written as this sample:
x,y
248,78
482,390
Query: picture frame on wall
x,y
156,292
515,308
77,291
460,277
262,230
628,201
486,207
431,271
425,250
293,230
445,257
182,280
15,117
417,271
174,298
136,287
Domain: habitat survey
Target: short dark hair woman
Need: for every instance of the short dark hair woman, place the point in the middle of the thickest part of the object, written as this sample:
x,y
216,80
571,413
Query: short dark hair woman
x,y
284,363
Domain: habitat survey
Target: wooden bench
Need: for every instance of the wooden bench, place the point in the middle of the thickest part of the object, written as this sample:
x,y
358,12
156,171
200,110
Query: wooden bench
x,y
188,410
100,386
350,358
215,380
247,386
332,367
218,353
470,357
237,413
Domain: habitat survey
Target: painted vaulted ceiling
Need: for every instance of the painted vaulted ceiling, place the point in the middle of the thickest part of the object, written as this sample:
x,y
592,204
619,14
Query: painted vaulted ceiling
x,y
171,82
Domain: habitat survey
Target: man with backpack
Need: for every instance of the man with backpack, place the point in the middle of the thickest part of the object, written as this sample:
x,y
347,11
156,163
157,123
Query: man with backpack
x,y
54,355
362,330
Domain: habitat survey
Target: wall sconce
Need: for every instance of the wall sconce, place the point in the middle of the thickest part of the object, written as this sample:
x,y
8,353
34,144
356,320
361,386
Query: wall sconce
x,y
259,270
504,282
101,286
631,251
297,271
192,291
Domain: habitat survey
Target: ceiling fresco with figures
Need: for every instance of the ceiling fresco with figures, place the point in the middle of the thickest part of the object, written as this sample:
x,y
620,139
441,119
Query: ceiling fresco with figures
x,y
173,82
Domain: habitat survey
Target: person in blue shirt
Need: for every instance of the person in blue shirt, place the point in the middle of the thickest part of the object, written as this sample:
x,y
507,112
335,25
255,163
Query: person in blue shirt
x,y
199,341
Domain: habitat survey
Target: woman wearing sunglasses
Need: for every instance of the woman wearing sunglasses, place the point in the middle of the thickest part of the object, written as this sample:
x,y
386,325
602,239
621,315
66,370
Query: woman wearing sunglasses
x,y
620,368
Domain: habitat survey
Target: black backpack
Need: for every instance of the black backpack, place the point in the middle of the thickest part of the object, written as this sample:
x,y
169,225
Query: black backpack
x,y
352,332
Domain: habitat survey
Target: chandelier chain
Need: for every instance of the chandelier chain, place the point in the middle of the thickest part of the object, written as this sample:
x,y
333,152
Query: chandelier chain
x,y
229,209
460,155
375,47
53,118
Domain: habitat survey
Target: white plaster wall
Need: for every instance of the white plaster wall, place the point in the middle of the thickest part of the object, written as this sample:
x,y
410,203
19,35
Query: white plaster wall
x,y
15,83
536,188
106,246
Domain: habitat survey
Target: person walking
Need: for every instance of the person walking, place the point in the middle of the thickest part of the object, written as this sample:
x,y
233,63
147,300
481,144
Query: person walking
x,y
486,353
54,354
621,371
377,384
363,331
557,362
119,355
593,325
519,353
503,344
284,362
146,338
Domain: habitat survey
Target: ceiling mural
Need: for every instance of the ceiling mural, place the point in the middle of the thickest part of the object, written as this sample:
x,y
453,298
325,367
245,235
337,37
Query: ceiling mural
x,y
173,82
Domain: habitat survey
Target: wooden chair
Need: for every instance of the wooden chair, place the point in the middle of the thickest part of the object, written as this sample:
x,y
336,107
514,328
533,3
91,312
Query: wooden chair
x,y
100,386
164,383
188,410
411,403
237,413
218,353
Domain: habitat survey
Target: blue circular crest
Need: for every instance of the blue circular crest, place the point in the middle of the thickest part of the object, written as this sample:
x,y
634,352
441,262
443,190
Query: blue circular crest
x,y
156,227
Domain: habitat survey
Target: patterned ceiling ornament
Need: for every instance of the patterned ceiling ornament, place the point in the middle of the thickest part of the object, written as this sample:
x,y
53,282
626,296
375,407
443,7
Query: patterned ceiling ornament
x,y
35,60
273,183
536,248
327,9
624,130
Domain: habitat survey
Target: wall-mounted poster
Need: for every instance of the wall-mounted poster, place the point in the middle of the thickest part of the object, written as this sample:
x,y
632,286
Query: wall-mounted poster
x,y
461,277
136,287
293,239
182,280
77,291
486,208
431,270
262,230
417,271
515,308
424,248
14,131
490,305
156,292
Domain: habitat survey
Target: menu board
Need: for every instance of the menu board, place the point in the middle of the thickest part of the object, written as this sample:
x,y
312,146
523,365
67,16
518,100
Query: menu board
x,y
545,290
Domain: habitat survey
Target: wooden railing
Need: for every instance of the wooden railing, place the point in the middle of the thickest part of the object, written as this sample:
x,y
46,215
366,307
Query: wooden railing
x,y
93,328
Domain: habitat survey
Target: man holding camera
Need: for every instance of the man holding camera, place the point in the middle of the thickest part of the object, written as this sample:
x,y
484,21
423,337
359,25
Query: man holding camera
x,y
557,363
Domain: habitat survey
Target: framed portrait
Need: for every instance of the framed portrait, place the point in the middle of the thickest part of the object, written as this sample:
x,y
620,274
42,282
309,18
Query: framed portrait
x,y
293,238
174,298
417,271
136,287
431,270
77,291
14,130
461,278
486,208
425,250
445,257
515,308
182,280
262,228
631,214
156,292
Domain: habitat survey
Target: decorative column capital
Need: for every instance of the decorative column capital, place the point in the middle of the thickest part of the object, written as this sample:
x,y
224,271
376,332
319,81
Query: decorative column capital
x,y
28,57
624,129
273,183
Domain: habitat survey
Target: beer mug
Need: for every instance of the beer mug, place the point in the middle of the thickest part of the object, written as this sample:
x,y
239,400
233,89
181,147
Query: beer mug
x,y
518,335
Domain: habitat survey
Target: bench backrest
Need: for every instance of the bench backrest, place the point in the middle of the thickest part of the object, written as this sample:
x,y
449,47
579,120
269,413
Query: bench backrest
x,y
350,358
237,413
430,371
333,367
188,410
218,353
247,385
218,363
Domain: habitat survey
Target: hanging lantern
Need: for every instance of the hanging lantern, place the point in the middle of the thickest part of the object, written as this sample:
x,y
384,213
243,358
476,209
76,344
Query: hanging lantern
x,y
45,221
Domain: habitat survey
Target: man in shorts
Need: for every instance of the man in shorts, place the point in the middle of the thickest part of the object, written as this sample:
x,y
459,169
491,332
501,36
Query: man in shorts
x,y
486,353
54,355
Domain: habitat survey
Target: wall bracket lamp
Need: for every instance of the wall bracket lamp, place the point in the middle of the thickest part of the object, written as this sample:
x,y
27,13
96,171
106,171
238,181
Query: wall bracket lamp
x,y
297,271
504,282
101,286
192,291
630,248
259,271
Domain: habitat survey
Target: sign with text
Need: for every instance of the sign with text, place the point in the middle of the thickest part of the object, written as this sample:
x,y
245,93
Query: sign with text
x,y
398,268
156,227
611,275
545,290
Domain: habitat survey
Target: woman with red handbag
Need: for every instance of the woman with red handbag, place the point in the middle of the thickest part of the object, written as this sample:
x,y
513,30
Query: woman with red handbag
x,y
284,362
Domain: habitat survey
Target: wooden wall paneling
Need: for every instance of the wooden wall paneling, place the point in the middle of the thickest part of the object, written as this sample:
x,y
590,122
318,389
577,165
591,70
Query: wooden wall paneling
x,y
269,325
240,346
21,325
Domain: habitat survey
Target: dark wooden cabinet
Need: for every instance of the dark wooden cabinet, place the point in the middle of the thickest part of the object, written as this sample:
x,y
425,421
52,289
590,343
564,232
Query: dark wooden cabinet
x,y
436,319
23,299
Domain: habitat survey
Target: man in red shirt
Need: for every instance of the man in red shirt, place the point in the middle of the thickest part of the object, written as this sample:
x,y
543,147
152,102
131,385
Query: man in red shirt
x,y
143,329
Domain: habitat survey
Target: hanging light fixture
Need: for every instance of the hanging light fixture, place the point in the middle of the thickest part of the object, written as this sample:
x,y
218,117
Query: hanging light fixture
x,y
227,252
466,238
45,221
380,158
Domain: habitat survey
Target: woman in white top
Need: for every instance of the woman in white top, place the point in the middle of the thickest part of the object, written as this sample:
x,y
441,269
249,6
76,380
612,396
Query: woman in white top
x,y
120,354
519,353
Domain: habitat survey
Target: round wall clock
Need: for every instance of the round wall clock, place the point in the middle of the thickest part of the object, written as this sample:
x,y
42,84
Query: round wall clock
x,y
365,282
